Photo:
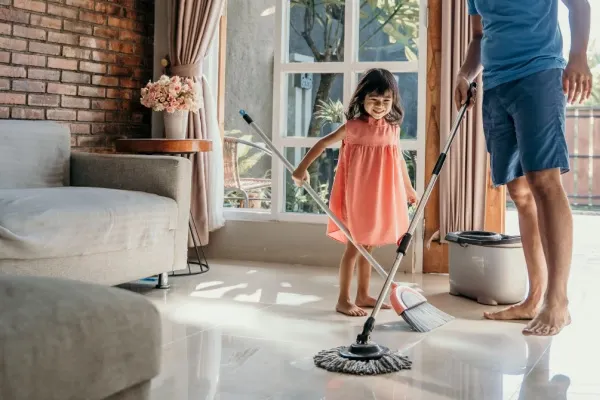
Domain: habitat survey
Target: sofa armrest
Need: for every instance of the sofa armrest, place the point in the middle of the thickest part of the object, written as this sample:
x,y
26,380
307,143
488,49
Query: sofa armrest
x,y
165,176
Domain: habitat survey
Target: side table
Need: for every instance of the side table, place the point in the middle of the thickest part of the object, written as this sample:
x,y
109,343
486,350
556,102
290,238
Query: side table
x,y
181,148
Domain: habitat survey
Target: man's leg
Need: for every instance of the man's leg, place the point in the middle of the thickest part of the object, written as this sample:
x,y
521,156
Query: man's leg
x,y
556,229
521,194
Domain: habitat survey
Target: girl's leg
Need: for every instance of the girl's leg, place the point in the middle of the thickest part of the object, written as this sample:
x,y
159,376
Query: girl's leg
x,y
345,305
364,278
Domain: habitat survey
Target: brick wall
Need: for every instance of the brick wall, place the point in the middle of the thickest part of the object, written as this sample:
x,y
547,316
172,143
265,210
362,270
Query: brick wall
x,y
79,62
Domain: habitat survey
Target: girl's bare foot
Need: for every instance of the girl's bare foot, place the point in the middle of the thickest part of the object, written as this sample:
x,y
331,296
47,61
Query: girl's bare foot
x,y
369,302
523,311
350,309
549,321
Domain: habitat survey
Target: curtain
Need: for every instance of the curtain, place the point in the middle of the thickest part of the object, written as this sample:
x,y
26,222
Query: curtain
x,y
192,26
463,181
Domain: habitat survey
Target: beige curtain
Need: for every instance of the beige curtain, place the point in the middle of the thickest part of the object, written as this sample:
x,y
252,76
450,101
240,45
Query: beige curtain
x,y
192,26
463,181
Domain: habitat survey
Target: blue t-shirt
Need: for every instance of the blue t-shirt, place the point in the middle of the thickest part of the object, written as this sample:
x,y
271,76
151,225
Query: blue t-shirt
x,y
520,38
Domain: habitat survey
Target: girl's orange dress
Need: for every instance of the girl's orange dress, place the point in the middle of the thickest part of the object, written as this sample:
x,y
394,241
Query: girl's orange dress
x,y
368,193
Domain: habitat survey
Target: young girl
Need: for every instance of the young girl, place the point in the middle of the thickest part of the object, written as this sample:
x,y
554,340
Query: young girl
x,y
371,186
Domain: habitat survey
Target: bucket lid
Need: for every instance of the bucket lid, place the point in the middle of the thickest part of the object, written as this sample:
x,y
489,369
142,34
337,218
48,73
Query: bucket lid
x,y
482,238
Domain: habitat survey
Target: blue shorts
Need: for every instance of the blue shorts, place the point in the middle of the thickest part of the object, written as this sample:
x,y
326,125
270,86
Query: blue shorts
x,y
524,125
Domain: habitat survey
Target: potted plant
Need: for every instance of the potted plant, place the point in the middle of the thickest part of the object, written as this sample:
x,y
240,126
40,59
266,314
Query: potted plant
x,y
330,112
175,97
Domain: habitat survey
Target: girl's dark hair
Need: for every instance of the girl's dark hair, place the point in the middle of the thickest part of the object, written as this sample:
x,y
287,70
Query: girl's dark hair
x,y
376,81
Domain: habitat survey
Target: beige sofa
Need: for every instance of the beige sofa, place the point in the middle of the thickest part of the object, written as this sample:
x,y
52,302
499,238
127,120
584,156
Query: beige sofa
x,y
99,218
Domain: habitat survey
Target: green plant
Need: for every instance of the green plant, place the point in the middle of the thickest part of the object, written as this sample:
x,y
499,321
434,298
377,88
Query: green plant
x,y
330,112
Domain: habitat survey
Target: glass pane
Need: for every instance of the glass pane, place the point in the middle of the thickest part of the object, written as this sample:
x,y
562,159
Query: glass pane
x,y
316,30
322,172
389,30
314,104
408,84
247,172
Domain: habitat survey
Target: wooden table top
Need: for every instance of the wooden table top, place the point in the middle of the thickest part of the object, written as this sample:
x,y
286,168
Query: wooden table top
x,y
163,146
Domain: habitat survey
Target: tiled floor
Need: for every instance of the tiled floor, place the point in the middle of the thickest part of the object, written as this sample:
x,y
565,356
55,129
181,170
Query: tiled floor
x,y
249,331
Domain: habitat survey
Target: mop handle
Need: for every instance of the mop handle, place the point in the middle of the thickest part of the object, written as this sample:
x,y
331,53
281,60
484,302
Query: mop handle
x,y
404,242
316,197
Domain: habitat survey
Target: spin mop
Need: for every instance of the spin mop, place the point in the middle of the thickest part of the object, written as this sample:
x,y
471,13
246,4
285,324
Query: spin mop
x,y
365,357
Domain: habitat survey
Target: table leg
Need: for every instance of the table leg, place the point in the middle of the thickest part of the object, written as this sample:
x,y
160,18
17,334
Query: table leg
x,y
201,262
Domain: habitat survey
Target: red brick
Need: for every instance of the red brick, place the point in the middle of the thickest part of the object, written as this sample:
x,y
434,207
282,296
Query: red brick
x,y
105,80
45,74
4,84
31,5
12,44
44,48
30,33
104,57
62,11
137,118
46,22
62,115
121,47
105,105
28,86
76,52
48,100
4,112
75,77
91,141
5,57
27,113
94,18
91,116
62,63
131,36
105,32
12,72
121,23
15,16
109,9
130,61
92,42
64,38
119,94
75,102
61,88
129,83
91,91
89,4
79,27
79,128
28,59
5,29
92,67
118,71
12,98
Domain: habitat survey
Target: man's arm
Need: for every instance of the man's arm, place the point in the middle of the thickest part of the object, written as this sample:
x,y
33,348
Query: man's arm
x,y
577,79
472,65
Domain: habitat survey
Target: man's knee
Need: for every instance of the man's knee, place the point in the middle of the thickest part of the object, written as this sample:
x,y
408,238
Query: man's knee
x,y
546,183
521,195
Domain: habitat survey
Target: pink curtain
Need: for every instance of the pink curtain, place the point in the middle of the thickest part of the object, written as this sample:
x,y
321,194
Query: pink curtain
x,y
192,26
463,181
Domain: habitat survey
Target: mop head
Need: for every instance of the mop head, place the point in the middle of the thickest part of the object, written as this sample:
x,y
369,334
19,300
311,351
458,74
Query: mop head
x,y
425,317
332,361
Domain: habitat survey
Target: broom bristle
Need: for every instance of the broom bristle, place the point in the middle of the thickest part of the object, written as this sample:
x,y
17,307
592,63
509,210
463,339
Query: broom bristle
x,y
332,361
425,317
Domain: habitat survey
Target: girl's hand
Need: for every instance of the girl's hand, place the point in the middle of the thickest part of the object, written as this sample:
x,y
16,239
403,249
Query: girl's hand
x,y
412,196
300,176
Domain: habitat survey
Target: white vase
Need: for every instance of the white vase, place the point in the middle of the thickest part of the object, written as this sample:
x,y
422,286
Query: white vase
x,y
176,124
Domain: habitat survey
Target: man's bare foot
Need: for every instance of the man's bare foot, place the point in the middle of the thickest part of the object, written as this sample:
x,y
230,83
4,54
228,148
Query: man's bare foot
x,y
369,302
350,309
521,311
549,321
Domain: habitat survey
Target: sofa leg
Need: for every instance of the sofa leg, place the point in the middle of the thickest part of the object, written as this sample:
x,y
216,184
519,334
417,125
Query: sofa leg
x,y
163,281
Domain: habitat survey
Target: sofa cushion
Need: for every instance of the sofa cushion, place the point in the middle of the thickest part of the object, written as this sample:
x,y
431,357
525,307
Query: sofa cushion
x,y
34,154
62,340
77,221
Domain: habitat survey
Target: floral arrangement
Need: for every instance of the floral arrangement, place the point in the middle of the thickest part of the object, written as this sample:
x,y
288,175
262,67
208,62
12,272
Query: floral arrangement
x,y
171,94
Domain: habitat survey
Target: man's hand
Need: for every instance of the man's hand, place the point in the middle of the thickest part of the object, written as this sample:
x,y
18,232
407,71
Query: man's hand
x,y
461,92
577,79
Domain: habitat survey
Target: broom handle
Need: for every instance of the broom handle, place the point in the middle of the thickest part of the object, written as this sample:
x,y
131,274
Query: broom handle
x,y
371,260
404,242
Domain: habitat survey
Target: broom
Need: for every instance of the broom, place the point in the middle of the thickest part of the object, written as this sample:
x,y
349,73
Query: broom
x,y
365,357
